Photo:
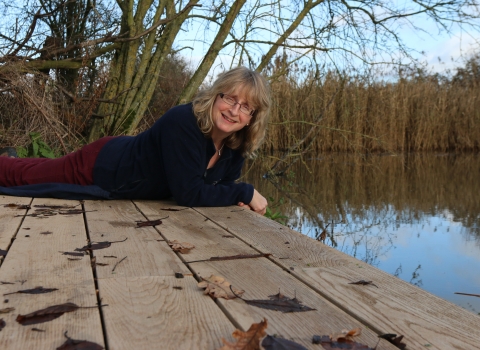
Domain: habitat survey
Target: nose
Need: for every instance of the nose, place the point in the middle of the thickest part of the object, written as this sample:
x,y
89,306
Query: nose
x,y
235,108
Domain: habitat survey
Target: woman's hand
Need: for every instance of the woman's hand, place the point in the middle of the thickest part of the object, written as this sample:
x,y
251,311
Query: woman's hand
x,y
258,203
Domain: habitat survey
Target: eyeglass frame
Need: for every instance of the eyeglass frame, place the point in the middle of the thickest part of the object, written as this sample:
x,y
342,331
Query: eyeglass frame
x,y
251,110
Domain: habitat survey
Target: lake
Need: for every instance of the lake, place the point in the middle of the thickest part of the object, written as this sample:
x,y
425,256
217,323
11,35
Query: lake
x,y
414,216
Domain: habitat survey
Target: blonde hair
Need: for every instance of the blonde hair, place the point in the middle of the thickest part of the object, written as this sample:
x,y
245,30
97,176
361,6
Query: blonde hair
x,y
255,89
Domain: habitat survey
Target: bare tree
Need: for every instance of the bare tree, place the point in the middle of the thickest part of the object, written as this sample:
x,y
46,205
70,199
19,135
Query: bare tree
x,y
135,37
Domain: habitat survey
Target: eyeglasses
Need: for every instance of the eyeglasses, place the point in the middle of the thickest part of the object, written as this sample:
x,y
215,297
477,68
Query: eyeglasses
x,y
229,100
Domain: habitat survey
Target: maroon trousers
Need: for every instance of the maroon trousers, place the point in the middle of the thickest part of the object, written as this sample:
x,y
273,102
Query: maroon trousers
x,y
74,168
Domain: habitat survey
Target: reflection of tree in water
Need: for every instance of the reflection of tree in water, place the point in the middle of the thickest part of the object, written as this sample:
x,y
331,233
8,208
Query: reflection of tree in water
x,y
361,197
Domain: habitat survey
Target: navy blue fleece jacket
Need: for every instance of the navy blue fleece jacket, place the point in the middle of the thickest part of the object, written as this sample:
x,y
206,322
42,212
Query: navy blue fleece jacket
x,y
168,160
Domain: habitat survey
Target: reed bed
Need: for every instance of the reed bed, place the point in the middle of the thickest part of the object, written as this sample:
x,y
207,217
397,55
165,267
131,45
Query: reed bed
x,y
360,115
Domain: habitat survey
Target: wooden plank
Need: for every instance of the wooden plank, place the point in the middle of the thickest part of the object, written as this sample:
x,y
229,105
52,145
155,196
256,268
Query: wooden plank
x,y
10,219
394,307
261,278
146,252
34,259
187,225
149,313
209,240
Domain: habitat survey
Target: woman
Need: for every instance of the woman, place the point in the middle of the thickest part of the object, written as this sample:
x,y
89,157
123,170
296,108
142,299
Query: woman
x,y
194,153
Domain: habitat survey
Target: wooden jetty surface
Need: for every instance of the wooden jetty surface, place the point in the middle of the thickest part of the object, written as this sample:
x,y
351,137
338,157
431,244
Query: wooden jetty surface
x,y
149,297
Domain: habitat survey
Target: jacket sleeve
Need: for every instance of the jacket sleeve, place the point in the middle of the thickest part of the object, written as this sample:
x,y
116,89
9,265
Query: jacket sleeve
x,y
183,151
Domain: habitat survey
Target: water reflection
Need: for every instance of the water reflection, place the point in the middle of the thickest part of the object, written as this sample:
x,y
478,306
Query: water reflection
x,y
416,217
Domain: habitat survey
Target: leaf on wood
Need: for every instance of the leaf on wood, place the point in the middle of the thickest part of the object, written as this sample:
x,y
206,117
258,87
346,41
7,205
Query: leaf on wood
x,y
46,206
249,340
74,259
3,282
47,314
98,245
46,233
218,287
174,209
6,310
74,344
233,257
149,223
182,247
392,338
72,211
279,302
36,290
329,344
3,252
2,324
101,264
17,206
38,330
364,283
346,335
276,343
72,253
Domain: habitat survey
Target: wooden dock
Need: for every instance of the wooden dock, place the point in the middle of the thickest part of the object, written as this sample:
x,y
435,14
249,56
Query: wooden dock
x,y
136,292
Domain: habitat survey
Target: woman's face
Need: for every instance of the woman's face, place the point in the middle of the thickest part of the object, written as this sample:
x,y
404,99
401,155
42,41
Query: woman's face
x,y
228,119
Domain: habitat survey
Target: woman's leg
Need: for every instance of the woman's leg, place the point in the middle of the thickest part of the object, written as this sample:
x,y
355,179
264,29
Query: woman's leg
x,y
74,168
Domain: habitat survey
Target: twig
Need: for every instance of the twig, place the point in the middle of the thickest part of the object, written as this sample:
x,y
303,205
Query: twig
x,y
472,295
118,263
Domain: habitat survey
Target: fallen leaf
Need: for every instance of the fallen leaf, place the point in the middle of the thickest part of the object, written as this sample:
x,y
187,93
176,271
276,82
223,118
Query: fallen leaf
x,y
3,282
182,247
38,330
279,302
233,257
329,344
118,262
102,264
218,287
6,310
346,335
249,340
98,245
276,343
47,314
174,209
17,206
45,206
148,223
178,275
74,344
36,290
72,253
46,233
364,283
2,324
392,338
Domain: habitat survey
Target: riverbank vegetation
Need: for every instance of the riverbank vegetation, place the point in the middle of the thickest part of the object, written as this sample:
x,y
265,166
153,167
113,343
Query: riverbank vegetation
x,y
414,111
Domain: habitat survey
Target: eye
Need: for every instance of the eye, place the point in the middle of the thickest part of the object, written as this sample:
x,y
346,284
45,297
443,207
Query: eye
x,y
229,99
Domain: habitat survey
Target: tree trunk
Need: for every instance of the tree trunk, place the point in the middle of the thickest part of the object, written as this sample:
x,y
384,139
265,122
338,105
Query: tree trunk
x,y
135,70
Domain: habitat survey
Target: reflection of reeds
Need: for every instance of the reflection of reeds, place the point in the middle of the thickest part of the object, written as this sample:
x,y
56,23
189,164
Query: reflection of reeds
x,y
409,115
411,184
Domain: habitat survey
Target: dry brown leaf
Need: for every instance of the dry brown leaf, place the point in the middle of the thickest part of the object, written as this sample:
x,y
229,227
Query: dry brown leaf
x,y
346,335
249,340
182,247
218,287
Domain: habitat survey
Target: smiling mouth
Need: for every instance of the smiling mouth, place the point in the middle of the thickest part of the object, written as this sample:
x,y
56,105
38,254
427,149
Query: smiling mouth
x,y
228,119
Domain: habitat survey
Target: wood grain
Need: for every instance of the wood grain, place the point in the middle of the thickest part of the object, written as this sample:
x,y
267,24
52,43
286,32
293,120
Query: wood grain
x,y
260,278
395,307
146,252
10,219
34,260
149,313
187,225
